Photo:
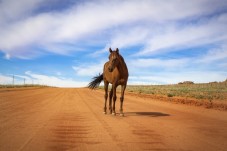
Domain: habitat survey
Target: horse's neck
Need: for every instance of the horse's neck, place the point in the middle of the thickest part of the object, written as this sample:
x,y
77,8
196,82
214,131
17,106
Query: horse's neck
x,y
122,66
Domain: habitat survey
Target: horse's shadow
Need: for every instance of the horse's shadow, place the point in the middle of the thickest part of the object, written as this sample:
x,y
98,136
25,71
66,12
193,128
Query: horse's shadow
x,y
150,114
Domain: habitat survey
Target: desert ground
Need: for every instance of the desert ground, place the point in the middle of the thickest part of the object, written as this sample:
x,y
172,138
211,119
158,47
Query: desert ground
x,y
57,119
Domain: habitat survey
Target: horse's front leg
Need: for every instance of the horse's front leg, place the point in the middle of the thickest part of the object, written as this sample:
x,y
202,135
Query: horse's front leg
x,y
122,99
114,99
110,100
106,95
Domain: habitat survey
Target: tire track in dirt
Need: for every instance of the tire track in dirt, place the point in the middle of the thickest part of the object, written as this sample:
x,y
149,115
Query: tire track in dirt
x,y
68,133
54,119
68,127
20,126
176,125
105,126
76,128
129,134
20,110
13,102
3,90
50,104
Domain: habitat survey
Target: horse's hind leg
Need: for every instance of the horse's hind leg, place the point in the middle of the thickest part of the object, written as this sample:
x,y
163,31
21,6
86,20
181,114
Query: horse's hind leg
x,y
122,99
106,95
110,100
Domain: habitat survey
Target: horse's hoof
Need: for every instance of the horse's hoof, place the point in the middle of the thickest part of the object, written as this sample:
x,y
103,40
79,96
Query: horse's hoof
x,y
122,114
114,113
104,112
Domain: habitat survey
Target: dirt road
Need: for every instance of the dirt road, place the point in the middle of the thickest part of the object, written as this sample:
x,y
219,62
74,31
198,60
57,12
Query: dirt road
x,y
55,119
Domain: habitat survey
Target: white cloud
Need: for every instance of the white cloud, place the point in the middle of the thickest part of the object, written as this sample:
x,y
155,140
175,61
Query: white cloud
x,y
27,31
59,73
6,79
152,26
14,79
98,52
132,36
170,71
7,56
33,78
11,10
88,69
55,81
161,63
188,36
22,77
217,54
173,78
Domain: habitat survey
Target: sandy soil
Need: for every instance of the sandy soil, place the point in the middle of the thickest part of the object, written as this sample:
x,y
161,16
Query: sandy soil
x,y
57,119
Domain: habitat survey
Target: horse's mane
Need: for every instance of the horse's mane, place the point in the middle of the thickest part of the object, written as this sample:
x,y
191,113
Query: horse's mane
x,y
123,65
122,61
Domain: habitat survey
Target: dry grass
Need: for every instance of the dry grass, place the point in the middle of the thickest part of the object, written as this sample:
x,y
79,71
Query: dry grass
x,y
209,95
208,91
20,86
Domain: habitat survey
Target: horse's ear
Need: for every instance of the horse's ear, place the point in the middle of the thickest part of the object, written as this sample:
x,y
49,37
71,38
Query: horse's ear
x,y
110,50
117,50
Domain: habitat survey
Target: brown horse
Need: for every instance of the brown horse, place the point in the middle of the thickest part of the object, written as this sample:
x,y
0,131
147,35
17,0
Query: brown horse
x,y
115,72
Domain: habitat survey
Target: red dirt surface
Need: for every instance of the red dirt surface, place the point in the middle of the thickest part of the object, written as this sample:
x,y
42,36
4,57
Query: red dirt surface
x,y
54,119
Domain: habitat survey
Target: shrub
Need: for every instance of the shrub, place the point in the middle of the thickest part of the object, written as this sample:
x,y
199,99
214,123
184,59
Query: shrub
x,y
186,82
170,95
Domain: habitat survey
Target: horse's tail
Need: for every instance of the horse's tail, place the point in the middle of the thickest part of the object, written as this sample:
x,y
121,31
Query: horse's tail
x,y
95,81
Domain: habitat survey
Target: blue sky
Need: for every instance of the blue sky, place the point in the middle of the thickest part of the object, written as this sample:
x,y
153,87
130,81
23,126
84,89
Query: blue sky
x,y
65,43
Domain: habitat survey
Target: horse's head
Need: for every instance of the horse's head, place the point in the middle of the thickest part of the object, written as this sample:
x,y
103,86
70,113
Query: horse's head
x,y
113,59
